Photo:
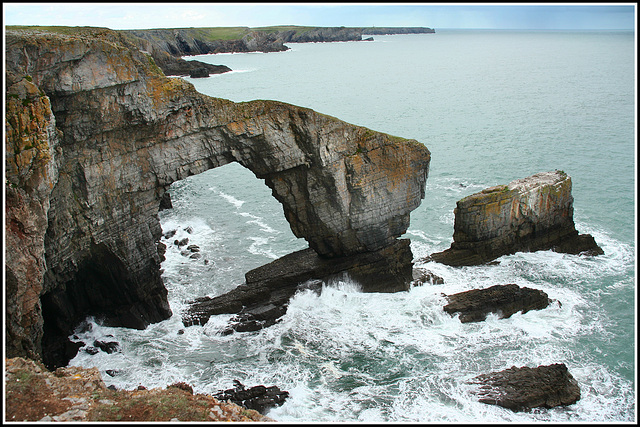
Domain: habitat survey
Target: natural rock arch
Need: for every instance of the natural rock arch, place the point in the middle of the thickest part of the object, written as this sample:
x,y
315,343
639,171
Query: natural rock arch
x,y
118,133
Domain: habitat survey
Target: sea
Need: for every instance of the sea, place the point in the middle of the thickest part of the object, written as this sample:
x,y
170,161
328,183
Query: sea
x,y
492,107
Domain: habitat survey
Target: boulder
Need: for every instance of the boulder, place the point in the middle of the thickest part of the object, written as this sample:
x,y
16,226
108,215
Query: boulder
x,y
107,346
505,300
521,389
530,214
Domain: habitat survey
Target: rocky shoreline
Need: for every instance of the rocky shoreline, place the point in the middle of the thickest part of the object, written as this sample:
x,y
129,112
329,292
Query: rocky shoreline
x,y
73,394
96,134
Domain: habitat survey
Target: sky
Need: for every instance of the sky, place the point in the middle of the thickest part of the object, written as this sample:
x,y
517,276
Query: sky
x,y
120,16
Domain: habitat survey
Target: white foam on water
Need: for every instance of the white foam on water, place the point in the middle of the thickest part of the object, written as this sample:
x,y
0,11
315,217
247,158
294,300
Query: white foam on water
x,y
257,247
349,356
235,202
259,221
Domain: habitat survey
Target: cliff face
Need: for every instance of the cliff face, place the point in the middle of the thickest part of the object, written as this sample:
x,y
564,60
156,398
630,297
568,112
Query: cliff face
x,y
397,30
529,214
86,176
31,171
197,41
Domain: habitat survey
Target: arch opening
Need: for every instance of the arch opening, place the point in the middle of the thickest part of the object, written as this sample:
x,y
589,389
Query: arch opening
x,y
223,222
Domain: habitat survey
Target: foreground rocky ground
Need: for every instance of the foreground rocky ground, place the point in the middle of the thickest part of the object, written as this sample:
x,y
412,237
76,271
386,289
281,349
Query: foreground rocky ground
x,y
32,393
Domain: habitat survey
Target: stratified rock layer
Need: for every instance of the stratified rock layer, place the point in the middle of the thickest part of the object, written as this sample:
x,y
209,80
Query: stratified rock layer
x,y
109,134
505,300
530,214
521,389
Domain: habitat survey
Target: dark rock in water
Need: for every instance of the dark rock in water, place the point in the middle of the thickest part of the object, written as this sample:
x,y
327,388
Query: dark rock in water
x,y
265,295
258,398
181,242
368,39
530,214
422,276
112,372
476,304
521,389
199,72
91,350
193,248
107,347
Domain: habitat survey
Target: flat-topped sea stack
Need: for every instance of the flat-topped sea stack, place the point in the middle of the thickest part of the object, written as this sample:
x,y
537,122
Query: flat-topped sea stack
x,y
529,214
96,134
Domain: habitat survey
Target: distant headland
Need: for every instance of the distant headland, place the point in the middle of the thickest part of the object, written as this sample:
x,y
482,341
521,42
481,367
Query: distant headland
x,y
168,45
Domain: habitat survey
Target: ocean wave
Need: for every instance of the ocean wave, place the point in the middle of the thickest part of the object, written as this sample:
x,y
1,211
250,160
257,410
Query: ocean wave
x,y
235,202
259,221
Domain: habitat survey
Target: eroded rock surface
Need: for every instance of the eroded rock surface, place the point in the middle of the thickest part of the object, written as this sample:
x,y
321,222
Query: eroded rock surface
x,y
109,134
75,394
505,300
264,297
521,389
259,398
529,214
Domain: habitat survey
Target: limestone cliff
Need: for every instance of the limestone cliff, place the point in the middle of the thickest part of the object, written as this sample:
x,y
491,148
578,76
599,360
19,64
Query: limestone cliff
x,y
98,134
529,214
198,41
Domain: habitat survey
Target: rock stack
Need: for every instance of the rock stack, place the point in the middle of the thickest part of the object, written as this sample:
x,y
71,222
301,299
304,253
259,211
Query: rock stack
x,y
529,214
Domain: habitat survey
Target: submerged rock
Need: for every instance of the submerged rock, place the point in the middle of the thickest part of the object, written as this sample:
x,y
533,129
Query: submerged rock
x,y
530,214
521,389
263,299
505,300
107,346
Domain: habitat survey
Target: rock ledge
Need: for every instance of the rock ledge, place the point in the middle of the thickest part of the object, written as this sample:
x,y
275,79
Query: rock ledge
x,y
521,389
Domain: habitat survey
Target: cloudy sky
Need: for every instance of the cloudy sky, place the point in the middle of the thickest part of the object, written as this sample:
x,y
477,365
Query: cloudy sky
x,y
445,15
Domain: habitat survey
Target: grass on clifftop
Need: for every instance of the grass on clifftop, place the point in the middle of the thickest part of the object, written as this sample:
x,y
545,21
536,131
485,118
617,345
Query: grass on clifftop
x,y
202,33
278,28
57,29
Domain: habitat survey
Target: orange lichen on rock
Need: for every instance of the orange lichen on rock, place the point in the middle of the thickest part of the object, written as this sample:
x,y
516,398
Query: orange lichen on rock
x,y
78,394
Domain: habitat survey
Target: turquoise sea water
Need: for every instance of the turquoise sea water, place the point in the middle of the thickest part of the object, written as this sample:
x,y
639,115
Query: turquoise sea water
x,y
491,106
